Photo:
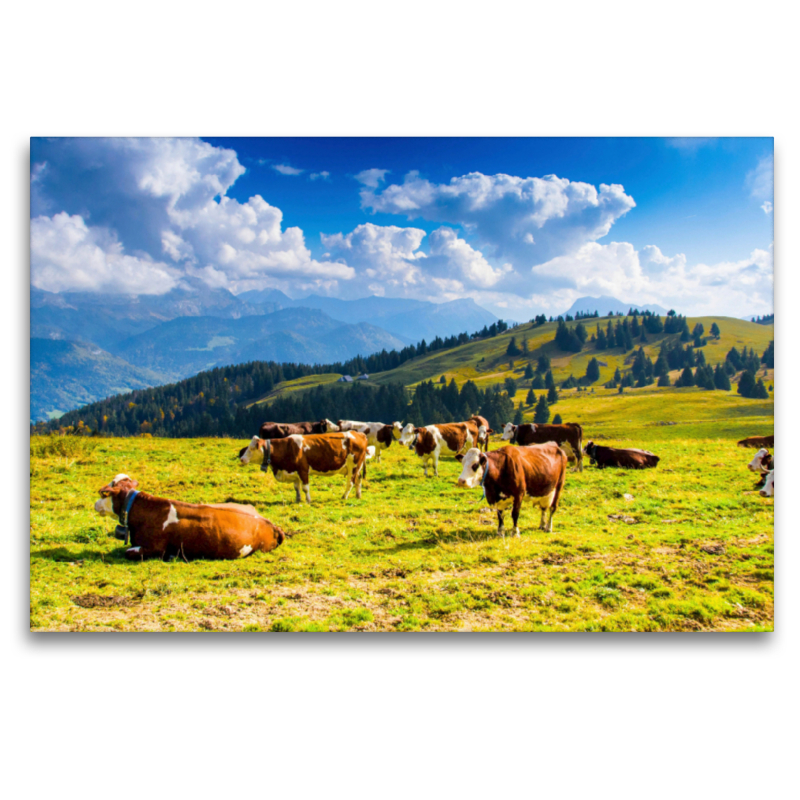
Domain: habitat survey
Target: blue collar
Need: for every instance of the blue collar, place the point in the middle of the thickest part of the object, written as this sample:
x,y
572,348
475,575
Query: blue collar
x,y
131,497
483,479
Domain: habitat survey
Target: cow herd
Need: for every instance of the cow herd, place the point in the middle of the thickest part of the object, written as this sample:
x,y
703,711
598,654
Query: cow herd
x,y
534,470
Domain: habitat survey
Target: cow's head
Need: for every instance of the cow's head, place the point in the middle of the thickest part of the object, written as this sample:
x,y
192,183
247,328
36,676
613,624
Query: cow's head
x,y
484,433
473,463
112,495
590,449
330,427
406,434
769,486
509,431
756,465
254,452
385,435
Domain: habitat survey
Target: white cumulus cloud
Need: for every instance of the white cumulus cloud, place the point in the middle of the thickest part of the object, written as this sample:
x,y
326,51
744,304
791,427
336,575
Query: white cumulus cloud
x,y
371,177
766,207
286,169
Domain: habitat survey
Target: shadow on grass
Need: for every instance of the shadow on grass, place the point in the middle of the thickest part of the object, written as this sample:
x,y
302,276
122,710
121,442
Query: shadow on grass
x,y
64,554
434,540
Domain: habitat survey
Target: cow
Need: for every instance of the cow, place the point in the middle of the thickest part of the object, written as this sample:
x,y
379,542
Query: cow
x,y
349,424
379,435
757,442
769,485
484,431
429,442
629,458
569,436
513,474
158,527
762,463
296,457
280,430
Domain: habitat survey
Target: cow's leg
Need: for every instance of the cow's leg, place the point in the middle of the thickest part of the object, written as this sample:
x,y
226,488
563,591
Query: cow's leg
x,y
351,477
139,553
436,464
297,496
425,465
500,527
358,475
515,513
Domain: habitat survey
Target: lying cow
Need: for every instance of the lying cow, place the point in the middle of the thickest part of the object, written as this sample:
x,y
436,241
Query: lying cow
x,y
484,431
280,430
628,458
513,474
757,441
762,463
569,436
433,440
296,457
379,435
769,485
160,527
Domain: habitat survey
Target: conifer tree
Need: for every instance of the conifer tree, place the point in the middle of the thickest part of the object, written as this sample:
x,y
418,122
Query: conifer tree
x,y
592,371
528,371
548,380
542,412
552,395
715,331
531,398
747,384
721,379
557,419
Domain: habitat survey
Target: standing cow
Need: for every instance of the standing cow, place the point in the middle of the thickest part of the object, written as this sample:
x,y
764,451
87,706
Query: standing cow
x,y
280,430
513,474
296,457
379,435
158,527
433,440
484,431
568,436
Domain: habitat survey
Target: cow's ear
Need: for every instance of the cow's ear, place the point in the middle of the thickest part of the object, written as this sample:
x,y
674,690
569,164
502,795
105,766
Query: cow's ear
x,y
459,457
108,490
255,440
491,430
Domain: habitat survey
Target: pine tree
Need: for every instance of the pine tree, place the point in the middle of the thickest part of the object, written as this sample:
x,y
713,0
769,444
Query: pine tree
x,y
511,387
768,358
686,377
592,371
715,331
557,419
663,380
721,379
518,418
531,398
543,364
542,412
513,348
548,380
747,384
538,382
552,395
760,392
528,371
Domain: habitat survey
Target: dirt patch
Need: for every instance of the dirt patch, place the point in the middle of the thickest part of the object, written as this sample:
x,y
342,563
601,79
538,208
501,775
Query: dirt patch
x,y
102,601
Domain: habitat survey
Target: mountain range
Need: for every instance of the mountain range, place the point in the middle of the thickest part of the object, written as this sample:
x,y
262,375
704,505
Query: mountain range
x,y
123,342
604,304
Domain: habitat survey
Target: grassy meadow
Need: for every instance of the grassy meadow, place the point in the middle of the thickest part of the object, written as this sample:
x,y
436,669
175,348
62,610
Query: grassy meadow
x,y
687,546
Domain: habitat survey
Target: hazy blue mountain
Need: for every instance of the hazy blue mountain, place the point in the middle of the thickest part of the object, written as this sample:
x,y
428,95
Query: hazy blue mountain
x,y
67,375
411,320
187,345
604,304
106,320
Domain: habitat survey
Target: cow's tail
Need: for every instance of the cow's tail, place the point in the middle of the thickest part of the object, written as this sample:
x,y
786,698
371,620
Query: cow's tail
x,y
579,454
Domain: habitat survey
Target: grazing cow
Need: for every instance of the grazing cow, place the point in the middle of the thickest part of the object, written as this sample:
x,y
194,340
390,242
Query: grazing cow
x,y
757,441
617,457
280,430
762,463
569,436
296,457
513,474
429,442
379,435
484,431
160,527
769,485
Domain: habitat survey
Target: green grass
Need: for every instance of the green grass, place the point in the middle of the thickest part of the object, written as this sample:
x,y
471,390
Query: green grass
x,y
418,554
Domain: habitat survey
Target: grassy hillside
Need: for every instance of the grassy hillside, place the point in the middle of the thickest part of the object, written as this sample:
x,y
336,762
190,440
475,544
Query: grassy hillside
x,y
485,361
687,546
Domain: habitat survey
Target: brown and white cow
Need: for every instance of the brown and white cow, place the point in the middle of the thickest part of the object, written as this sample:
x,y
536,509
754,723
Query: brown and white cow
x,y
159,527
280,430
568,436
378,434
349,424
295,458
484,431
757,441
769,485
762,463
628,458
511,475
433,440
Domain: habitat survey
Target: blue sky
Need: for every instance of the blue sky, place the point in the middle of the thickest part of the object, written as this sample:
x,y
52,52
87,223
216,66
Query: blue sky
x,y
521,225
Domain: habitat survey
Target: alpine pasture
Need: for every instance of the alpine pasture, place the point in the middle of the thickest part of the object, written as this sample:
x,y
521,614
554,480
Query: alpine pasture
x,y
687,546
